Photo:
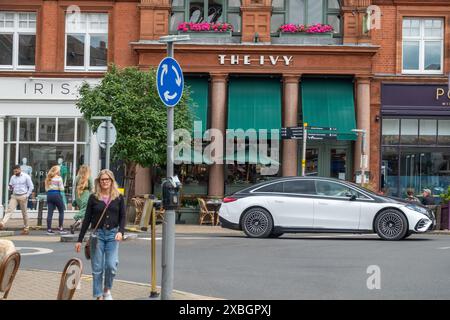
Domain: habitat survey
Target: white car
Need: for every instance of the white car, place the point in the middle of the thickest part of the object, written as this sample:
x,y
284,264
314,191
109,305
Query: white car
x,y
314,204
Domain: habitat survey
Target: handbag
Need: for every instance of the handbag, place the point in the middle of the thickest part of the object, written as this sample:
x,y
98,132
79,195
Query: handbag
x,y
92,241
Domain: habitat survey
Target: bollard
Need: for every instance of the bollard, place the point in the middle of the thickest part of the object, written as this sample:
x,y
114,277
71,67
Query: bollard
x,y
40,209
154,293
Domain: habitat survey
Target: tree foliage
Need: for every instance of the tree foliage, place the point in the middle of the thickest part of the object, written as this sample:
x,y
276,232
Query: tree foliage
x,y
130,96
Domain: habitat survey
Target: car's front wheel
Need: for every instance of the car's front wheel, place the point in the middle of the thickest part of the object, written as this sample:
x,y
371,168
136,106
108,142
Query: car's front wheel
x,y
391,225
257,223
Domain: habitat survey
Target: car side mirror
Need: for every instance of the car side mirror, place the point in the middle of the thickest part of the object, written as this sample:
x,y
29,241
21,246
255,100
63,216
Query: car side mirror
x,y
352,197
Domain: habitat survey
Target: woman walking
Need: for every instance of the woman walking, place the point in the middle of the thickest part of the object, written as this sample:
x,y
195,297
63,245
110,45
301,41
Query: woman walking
x,y
83,189
54,186
105,211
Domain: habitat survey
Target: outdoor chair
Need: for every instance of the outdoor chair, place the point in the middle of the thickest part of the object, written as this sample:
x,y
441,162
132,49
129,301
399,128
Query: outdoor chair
x,y
70,279
138,203
205,213
8,270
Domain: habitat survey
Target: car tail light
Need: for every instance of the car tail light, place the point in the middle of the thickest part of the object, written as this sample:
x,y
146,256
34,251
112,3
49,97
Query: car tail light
x,y
229,199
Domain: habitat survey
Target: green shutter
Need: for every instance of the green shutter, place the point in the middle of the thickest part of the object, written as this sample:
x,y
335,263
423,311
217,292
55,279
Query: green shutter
x,y
254,103
329,103
199,95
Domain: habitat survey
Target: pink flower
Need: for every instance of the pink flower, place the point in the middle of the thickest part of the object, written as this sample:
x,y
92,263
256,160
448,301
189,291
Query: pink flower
x,y
204,26
316,28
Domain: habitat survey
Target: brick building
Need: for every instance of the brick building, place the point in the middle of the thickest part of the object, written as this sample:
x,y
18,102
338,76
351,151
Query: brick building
x,y
253,77
45,54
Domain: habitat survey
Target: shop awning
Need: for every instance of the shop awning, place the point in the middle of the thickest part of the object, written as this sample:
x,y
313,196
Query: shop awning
x,y
329,103
199,95
254,103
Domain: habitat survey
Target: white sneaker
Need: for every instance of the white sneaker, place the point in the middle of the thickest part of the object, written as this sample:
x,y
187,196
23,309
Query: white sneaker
x,y
107,296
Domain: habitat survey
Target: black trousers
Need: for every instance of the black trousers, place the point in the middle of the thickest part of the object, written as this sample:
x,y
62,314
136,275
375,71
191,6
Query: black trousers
x,y
55,200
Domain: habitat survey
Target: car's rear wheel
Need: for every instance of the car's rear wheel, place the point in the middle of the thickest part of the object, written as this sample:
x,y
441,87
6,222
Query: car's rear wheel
x,y
391,225
257,223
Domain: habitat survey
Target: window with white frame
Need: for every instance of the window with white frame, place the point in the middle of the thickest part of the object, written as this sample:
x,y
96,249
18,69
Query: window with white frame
x,y
17,40
423,45
86,41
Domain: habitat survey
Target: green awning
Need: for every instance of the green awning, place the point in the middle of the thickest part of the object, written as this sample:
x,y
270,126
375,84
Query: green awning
x,y
199,94
329,103
254,103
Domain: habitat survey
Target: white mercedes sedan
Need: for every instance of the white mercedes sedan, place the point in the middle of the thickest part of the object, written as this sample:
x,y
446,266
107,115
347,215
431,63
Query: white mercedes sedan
x,y
314,204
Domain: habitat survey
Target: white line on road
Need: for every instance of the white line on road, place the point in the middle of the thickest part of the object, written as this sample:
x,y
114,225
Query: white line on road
x,y
38,251
444,248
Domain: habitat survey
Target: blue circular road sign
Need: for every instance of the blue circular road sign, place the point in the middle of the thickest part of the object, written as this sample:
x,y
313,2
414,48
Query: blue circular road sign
x,y
170,81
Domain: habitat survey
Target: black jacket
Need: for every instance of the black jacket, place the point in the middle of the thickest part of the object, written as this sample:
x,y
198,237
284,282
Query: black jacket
x,y
115,215
427,201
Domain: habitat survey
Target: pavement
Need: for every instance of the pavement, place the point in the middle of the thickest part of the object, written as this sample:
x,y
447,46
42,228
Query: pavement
x,y
32,284
44,285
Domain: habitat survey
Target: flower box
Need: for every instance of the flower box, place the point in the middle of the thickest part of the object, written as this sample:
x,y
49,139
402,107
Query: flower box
x,y
306,38
207,34
445,216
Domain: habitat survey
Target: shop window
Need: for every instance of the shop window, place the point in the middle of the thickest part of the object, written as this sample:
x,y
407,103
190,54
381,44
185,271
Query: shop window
x,y
389,170
198,11
391,131
17,40
81,130
409,131
423,45
444,132
37,150
427,131
27,129
87,41
306,12
47,129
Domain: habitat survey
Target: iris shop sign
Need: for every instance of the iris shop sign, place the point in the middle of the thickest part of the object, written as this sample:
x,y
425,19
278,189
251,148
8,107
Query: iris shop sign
x,y
248,60
41,88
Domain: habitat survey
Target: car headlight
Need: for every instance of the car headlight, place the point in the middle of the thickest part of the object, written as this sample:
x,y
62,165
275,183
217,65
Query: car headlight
x,y
418,209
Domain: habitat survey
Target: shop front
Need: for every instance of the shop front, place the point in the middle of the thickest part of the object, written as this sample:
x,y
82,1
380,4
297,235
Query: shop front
x,y
40,127
415,139
268,87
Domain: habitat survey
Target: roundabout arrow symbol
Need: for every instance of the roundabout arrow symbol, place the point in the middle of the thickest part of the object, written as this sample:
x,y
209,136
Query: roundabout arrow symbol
x,y
178,79
164,71
168,96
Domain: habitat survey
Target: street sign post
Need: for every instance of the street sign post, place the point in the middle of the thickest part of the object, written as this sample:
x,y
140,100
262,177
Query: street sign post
x,y
106,136
170,84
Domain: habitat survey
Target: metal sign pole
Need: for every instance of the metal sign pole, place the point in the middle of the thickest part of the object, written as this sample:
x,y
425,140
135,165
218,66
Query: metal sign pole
x,y
107,144
169,223
305,137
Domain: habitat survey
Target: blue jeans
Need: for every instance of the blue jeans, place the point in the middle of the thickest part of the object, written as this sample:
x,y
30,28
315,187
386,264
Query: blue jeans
x,y
105,260
55,200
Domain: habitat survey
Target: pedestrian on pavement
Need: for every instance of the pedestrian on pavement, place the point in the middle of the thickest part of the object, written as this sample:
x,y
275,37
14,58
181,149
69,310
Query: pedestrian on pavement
x,y
427,199
410,196
55,187
105,208
21,186
83,189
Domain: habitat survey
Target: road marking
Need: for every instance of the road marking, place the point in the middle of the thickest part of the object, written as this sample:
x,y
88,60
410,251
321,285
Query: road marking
x,y
38,251
444,248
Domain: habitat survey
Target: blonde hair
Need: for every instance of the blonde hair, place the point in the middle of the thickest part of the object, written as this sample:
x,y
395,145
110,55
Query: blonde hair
x,y
53,172
114,190
83,173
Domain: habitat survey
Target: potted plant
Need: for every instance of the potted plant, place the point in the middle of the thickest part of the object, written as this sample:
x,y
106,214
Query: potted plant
x,y
302,34
206,29
188,212
445,210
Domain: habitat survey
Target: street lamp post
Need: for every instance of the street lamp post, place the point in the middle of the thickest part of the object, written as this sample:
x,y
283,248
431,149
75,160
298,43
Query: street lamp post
x,y
363,154
168,241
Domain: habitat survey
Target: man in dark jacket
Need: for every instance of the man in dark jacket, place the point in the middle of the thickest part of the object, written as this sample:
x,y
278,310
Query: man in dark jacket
x,y
428,199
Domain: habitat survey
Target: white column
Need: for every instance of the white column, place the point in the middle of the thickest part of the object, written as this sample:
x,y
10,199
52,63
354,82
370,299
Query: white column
x,y
2,158
363,122
94,155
